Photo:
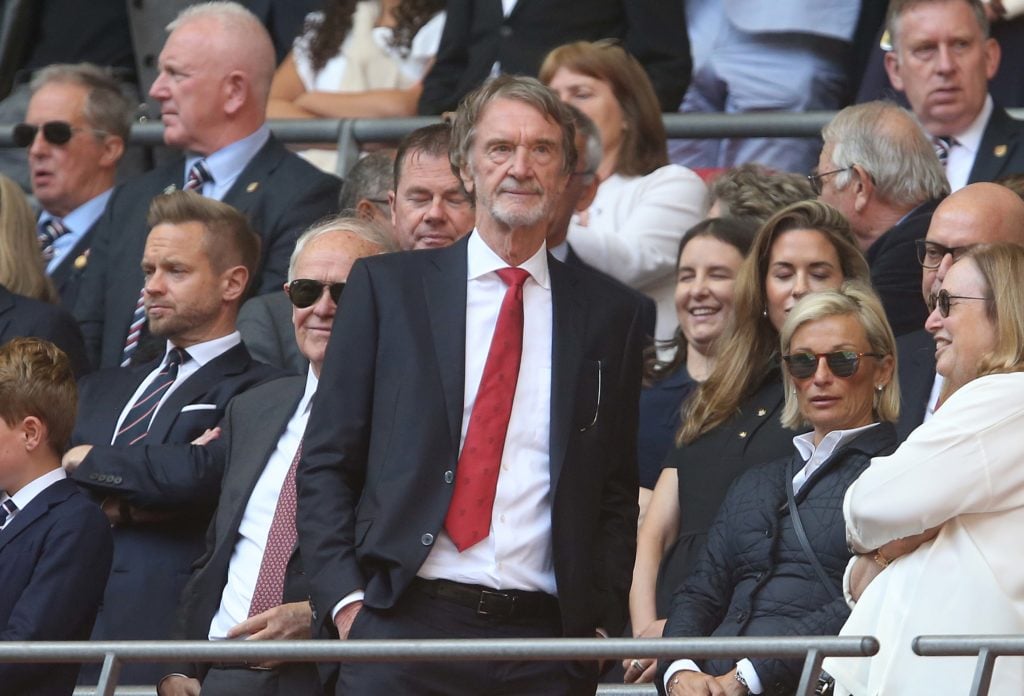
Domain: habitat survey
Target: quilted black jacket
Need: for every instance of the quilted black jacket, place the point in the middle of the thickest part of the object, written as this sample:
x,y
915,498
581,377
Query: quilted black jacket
x,y
754,579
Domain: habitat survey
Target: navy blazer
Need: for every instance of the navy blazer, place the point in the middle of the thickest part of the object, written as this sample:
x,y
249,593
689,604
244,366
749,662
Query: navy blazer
x,y
54,560
1001,151
23,316
152,561
380,450
915,353
278,191
67,276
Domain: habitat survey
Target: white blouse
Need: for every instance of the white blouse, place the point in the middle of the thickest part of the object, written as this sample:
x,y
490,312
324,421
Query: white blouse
x,y
964,470
633,232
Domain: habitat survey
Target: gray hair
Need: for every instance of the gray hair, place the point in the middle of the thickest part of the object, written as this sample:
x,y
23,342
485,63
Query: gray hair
x,y
854,299
898,7
527,90
889,143
370,178
106,107
362,229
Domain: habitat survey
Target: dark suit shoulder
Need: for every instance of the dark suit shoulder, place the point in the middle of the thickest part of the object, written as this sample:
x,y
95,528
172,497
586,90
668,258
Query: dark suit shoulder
x,y
275,388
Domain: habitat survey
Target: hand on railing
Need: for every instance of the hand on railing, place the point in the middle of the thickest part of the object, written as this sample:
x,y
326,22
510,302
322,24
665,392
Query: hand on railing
x,y
178,685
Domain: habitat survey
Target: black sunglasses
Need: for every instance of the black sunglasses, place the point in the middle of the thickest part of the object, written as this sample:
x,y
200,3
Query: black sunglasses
x,y
305,292
941,299
54,132
842,363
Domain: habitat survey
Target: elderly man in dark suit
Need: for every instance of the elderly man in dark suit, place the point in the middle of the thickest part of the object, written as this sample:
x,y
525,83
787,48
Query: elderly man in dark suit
x,y
198,259
880,171
75,131
942,58
215,73
448,489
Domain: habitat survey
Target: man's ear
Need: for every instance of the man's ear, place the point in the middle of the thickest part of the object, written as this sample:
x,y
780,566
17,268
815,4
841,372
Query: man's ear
x,y
233,283
33,432
236,91
864,188
892,68
113,148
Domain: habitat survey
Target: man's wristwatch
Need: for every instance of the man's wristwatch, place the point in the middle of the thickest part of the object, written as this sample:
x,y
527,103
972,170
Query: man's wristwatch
x,y
742,681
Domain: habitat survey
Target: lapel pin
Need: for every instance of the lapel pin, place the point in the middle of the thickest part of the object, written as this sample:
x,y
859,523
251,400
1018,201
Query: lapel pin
x,y
81,261
253,185
171,189
999,151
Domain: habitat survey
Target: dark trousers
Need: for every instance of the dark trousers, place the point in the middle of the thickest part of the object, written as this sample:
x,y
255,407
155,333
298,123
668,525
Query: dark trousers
x,y
418,615
288,679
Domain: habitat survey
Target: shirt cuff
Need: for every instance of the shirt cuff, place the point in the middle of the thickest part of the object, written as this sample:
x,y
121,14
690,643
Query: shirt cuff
x,y
847,576
679,666
350,598
745,668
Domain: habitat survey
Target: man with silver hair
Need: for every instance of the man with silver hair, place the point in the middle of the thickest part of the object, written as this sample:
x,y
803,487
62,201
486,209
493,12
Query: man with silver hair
x,y
469,467
880,170
215,72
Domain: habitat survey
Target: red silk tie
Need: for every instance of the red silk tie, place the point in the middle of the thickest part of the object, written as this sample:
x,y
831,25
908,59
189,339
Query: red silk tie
x,y
269,590
476,477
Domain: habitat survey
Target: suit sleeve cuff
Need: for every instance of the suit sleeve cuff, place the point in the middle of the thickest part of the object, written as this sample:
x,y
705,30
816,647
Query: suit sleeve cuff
x,y
350,598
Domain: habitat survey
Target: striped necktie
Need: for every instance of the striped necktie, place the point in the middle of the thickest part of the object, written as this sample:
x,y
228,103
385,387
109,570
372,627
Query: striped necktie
x,y
136,422
49,232
7,508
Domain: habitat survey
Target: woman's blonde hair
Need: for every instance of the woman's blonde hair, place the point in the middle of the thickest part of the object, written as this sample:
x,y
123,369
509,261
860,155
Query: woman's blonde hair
x,y
749,349
643,146
853,299
21,262
1002,267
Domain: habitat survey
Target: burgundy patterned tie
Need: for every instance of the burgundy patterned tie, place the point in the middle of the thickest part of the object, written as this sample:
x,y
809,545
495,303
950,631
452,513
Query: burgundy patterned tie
x,y
269,590
476,477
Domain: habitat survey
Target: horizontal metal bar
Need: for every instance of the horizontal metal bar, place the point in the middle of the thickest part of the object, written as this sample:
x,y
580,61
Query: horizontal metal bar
x,y
423,650
602,690
391,130
953,646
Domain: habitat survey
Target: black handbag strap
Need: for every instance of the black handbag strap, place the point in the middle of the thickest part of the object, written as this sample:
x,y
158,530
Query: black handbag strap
x,y
801,535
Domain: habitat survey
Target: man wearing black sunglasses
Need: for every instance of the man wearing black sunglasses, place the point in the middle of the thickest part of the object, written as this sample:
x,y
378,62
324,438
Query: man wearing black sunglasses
x,y
980,213
214,80
75,131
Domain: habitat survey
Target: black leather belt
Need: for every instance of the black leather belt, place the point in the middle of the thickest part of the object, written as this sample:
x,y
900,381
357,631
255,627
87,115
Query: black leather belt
x,y
499,605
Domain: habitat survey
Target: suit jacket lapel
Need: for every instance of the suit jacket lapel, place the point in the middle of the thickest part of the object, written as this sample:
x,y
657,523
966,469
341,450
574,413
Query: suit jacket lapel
x,y
996,149
444,289
53,495
248,186
230,362
569,323
67,266
6,308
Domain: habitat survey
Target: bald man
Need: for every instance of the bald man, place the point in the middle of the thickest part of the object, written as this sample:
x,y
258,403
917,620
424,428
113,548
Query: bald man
x,y
976,214
213,85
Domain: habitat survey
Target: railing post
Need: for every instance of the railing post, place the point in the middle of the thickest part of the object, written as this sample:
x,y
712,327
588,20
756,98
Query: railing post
x,y
348,147
983,672
812,668
109,675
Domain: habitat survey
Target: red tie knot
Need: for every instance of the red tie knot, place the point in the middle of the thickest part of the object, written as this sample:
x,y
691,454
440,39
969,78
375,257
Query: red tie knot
x,y
513,277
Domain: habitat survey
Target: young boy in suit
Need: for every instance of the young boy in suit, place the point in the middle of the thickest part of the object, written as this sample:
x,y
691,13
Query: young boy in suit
x,y
55,544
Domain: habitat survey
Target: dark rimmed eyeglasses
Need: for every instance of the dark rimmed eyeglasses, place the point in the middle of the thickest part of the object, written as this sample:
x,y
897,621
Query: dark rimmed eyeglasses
x,y
54,132
305,292
943,300
817,178
930,254
842,363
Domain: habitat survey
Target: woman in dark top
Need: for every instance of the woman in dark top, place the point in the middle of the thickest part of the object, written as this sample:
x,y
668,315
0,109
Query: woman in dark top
x,y
708,260
775,556
732,421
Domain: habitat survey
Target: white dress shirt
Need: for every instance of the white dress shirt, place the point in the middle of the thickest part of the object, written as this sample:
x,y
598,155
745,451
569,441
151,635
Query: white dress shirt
x,y
813,458
244,567
30,490
199,355
226,164
964,150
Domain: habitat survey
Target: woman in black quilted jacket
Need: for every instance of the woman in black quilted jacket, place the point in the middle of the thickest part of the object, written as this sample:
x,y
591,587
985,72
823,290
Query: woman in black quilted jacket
x,y
767,571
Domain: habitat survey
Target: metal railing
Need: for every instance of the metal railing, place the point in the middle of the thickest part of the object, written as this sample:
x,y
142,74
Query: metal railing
x,y
987,648
113,654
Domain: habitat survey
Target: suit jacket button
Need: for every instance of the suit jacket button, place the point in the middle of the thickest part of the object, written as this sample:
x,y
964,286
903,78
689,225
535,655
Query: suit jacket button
x,y
449,476
117,479
93,477
743,434
427,539
505,31
762,412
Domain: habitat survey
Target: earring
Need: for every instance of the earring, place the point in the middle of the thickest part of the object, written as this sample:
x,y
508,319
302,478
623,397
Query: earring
x,y
879,388
764,313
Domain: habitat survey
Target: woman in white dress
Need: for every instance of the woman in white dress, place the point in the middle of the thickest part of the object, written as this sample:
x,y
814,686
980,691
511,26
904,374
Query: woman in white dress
x,y
938,521
644,205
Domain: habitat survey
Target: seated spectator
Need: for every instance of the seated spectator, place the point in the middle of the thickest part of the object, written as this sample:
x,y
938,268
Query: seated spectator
x,y
357,60
429,206
880,171
732,421
776,552
364,192
936,521
27,296
755,191
55,544
228,155
709,260
643,205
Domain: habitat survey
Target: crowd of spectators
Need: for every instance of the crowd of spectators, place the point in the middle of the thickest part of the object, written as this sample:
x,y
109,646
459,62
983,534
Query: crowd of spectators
x,y
780,375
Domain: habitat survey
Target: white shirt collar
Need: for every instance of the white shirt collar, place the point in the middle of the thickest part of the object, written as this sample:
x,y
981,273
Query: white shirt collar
x,y
482,260
203,353
829,444
228,162
24,496
971,137
307,396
